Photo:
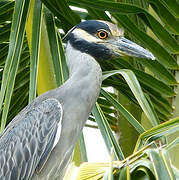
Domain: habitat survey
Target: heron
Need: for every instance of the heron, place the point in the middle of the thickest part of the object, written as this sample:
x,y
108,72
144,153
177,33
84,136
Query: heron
x,y
39,141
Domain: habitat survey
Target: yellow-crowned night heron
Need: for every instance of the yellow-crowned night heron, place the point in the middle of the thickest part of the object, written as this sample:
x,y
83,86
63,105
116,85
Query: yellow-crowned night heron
x,y
30,147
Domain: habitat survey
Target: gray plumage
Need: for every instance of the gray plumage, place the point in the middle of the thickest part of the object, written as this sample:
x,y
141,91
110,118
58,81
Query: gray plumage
x,y
30,147
24,150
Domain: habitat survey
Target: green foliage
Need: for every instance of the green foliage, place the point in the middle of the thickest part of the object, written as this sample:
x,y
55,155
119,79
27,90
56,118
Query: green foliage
x,y
149,86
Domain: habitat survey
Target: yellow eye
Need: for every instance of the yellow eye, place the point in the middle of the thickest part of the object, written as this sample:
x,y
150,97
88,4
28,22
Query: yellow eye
x,y
102,34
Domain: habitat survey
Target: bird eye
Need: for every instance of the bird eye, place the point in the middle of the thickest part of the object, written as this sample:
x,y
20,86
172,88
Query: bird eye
x,y
102,34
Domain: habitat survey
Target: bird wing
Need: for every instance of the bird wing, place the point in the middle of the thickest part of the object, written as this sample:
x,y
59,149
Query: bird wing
x,y
27,145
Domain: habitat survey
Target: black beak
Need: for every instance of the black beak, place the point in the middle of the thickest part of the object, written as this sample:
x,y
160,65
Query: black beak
x,y
126,47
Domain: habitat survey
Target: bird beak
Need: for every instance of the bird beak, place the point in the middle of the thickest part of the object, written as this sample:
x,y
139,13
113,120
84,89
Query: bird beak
x,y
126,47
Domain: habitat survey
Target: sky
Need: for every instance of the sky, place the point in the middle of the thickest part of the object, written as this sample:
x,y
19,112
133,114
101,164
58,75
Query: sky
x,y
96,148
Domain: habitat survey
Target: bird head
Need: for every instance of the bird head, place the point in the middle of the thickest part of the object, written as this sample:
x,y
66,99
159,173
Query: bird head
x,y
104,40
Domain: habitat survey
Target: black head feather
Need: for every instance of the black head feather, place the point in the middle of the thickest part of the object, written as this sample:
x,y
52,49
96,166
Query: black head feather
x,y
98,51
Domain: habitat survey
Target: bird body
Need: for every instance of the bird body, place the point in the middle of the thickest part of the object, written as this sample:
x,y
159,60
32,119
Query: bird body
x,y
77,105
39,142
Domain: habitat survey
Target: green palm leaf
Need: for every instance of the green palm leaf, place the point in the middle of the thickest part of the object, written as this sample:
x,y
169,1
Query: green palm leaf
x,y
32,59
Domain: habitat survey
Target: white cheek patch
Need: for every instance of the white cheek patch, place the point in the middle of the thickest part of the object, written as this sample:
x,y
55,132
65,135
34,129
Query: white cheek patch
x,y
81,34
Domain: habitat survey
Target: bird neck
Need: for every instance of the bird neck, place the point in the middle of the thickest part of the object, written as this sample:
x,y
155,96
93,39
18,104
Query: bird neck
x,y
81,62
85,73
